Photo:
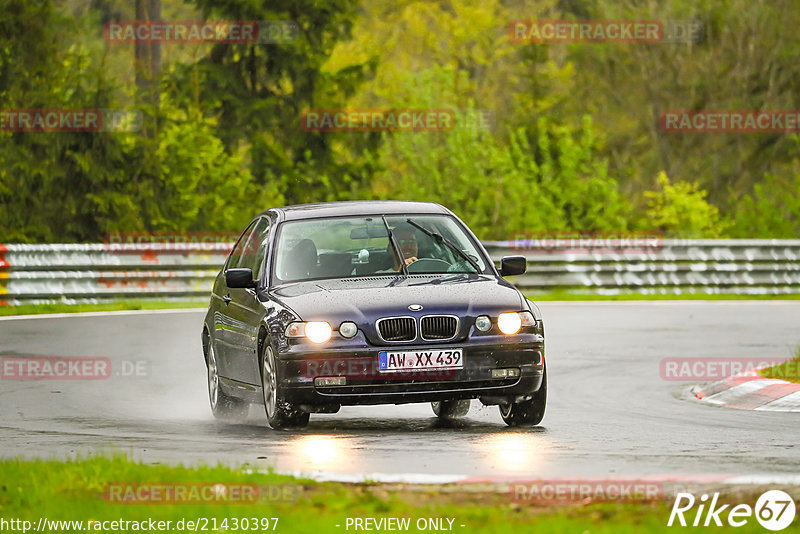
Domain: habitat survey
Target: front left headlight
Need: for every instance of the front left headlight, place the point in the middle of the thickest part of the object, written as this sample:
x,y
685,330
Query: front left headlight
x,y
348,329
511,322
314,331
483,323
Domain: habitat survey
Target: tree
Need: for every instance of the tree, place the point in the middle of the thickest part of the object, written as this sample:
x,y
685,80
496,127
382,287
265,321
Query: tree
x,y
681,210
147,62
258,91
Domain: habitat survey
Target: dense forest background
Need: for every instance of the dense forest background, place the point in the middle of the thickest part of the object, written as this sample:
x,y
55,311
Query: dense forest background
x,y
573,144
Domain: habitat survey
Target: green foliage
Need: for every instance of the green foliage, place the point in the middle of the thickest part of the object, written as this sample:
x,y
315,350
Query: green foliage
x,y
773,209
555,185
575,141
548,177
45,177
681,210
79,186
788,370
203,187
259,90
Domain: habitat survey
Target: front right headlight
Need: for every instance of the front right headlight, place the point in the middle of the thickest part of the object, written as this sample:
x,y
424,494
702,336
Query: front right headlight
x,y
511,322
483,323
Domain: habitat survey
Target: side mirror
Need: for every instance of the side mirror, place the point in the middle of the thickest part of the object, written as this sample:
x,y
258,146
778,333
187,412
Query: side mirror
x,y
239,278
513,265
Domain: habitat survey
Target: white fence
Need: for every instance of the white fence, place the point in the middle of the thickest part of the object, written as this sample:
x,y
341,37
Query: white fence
x,y
94,273
743,266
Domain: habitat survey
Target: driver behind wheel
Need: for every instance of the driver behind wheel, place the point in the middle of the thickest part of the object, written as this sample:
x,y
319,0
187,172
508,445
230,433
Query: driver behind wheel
x,y
407,241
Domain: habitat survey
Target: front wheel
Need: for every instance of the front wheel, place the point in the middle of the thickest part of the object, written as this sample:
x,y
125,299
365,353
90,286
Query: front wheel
x,y
280,414
450,409
529,412
222,406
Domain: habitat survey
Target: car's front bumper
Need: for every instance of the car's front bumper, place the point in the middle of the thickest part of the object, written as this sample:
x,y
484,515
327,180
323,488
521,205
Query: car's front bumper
x,y
365,384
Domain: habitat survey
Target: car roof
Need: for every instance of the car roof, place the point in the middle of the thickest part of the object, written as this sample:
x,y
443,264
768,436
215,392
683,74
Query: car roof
x,y
356,207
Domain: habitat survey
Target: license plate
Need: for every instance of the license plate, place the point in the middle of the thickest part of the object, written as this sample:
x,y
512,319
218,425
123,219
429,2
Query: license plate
x,y
390,361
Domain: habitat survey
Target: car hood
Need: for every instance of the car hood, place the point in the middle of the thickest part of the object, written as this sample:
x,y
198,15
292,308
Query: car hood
x,y
363,300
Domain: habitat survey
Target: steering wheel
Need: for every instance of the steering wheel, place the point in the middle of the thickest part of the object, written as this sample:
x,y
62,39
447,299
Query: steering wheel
x,y
426,265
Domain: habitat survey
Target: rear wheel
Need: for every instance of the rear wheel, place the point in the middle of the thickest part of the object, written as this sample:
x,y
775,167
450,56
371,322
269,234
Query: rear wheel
x,y
451,409
280,414
222,406
529,412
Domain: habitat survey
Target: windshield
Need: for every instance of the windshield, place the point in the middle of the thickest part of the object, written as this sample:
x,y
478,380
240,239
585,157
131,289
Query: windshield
x,y
344,247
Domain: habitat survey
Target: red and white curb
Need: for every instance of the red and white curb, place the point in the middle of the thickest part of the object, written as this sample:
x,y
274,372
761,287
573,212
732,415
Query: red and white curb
x,y
751,391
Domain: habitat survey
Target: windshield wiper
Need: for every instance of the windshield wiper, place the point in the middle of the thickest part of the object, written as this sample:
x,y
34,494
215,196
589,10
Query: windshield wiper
x,y
439,238
397,250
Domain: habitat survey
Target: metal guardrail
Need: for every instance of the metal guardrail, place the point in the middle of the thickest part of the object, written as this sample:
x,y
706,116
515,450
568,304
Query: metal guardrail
x,y
98,272
38,274
709,266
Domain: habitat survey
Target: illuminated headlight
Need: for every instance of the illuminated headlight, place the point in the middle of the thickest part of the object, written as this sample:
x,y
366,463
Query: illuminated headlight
x,y
318,331
348,329
314,331
483,323
510,323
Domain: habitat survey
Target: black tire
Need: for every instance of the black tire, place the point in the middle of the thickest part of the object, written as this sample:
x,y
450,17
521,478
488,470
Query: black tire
x,y
280,414
224,407
451,409
529,412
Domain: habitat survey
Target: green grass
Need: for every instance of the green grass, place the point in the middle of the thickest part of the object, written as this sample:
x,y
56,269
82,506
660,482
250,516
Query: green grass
x,y
76,490
789,370
567,295
34,309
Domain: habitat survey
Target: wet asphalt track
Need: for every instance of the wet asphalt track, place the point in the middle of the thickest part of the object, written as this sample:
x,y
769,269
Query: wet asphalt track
x,y
609,412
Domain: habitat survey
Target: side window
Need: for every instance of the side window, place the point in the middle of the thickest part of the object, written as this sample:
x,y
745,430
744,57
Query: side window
x,y
254,251
236,253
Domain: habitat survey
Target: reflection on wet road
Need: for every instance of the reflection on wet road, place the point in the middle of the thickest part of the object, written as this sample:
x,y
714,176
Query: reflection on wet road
x,y
609,412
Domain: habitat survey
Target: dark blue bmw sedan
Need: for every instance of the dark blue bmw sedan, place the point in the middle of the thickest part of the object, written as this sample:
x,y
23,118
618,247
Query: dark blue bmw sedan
x,y
351,303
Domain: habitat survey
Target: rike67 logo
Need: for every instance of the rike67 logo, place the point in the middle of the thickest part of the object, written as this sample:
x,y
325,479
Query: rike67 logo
x,y
774,510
